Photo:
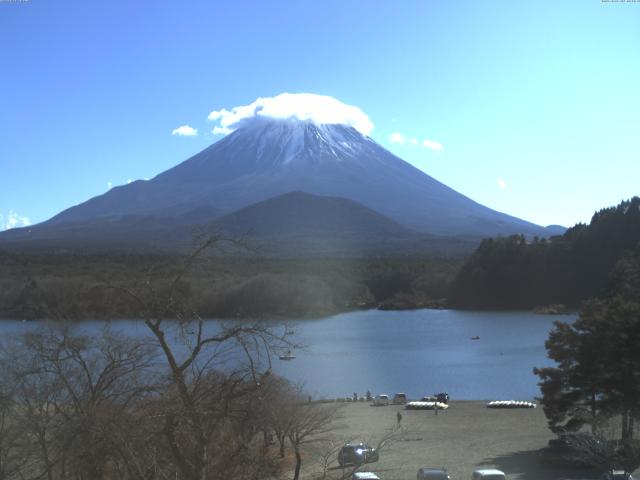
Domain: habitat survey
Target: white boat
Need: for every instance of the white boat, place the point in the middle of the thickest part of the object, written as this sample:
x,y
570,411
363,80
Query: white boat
x,y
287,356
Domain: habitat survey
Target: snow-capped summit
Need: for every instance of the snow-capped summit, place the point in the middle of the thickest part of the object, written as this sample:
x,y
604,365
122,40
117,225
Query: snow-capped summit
x,y
308,107
281,142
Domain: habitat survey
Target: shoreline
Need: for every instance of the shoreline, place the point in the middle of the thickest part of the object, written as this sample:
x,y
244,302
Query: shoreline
x,y
8,316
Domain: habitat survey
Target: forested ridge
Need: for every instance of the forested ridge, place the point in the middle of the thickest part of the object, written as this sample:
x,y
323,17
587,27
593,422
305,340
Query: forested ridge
x,y
513,272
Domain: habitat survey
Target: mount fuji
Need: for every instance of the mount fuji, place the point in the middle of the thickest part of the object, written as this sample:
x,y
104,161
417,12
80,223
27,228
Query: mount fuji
x,y
267,158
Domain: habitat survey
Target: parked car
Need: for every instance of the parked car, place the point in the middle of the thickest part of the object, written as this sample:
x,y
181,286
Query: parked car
x,y
617,475
364,476
400,399
357,454
442,397
430,473
488,474
381,400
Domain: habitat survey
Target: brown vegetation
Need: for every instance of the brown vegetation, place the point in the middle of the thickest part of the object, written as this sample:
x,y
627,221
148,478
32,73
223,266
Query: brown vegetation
x,y
80,286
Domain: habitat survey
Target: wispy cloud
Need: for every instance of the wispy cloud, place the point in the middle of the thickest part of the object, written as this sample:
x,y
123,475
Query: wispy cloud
x,y
319,109
397,137
502,184
13,220
185,131
109,185
432,145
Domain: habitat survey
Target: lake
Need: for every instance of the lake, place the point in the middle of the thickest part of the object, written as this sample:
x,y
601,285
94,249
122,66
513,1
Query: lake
x,y
419,352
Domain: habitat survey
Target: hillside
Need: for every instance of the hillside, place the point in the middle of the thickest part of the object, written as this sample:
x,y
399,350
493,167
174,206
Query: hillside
x,y
511,272
299,224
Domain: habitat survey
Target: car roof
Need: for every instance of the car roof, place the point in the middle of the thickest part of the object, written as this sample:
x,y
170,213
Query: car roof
x,y
489,471
366,475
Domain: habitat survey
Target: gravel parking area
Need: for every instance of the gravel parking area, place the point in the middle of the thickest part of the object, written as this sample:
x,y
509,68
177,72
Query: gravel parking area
x,y
463,438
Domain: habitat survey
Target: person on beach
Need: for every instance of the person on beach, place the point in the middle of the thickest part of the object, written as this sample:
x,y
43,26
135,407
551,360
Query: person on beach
x,y
399,419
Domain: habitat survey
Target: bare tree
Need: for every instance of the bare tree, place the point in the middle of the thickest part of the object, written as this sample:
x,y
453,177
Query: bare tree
x,y
308,423
70,394
212,370
12,460
324,454
189,400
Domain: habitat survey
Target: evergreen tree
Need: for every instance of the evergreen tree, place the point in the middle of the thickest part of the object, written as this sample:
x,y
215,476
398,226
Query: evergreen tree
x,y
598,361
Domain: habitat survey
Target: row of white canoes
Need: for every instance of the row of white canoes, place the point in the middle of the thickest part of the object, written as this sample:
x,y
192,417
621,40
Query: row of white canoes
x,y
426,406
510,404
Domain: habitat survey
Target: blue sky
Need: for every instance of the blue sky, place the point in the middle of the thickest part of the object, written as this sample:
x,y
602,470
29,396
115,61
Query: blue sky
x,y
536,104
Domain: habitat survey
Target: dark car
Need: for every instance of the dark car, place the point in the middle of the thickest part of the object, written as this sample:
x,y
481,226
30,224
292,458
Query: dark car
x,y
357,454
442,397
430,473
617,475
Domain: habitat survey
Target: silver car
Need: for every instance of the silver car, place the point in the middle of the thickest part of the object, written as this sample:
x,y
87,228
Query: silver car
x,y
488,474
430,473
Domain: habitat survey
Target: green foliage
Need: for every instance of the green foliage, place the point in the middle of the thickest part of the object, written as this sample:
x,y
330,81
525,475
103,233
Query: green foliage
x,y
597,376
515,273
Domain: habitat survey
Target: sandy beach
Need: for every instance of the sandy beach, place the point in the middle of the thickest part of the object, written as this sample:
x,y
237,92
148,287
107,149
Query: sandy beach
x,y
463,438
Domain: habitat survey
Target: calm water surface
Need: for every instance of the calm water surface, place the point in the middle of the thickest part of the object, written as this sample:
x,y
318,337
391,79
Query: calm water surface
x,y
422,352
418,352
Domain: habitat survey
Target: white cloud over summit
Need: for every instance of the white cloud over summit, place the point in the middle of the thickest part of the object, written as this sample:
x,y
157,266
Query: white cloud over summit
x,y
319,109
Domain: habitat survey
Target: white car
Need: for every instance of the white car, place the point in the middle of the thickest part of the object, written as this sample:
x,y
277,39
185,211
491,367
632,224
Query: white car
x,y
488,474
381,400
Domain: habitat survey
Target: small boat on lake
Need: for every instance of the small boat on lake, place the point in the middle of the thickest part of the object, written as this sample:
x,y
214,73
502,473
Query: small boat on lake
x,y
475,338
287,356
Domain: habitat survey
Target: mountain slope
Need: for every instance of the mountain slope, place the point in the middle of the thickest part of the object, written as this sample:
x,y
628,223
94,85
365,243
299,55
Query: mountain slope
x,y
270,158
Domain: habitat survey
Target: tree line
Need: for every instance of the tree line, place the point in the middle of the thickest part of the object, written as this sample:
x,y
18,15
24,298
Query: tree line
x,y
516,272
79,286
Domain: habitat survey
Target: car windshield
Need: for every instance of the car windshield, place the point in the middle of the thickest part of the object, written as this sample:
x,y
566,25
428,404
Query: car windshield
x,y
355,448
434,475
